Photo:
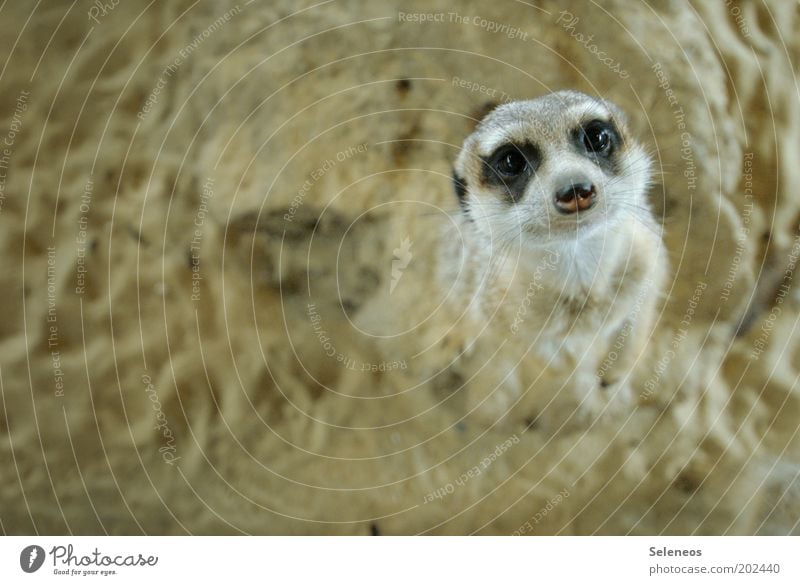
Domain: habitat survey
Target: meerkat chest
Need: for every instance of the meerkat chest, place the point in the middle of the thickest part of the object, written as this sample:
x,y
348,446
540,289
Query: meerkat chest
x,y
576,315
577,328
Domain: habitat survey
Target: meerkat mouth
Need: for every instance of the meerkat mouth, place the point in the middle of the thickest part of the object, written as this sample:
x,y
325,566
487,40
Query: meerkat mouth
x,y
569,227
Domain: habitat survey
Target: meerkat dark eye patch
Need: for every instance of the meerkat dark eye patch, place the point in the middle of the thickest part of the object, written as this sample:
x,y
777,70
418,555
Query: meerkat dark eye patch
x,y
599,140
460,187
510,167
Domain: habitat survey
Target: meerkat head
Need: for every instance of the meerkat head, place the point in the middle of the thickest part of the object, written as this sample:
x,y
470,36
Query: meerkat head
x,y
549,169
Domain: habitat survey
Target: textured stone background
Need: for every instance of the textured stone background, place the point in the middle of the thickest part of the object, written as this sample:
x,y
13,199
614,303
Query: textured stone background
x,y
264,432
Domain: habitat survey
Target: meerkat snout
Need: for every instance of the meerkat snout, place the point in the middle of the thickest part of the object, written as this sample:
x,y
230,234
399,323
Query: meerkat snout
x,y
576,196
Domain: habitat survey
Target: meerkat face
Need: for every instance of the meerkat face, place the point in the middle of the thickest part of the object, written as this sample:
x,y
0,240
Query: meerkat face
x,y
554,168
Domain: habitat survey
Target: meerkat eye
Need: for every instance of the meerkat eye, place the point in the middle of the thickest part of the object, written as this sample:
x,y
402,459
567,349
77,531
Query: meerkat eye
x,y
511,162
598,137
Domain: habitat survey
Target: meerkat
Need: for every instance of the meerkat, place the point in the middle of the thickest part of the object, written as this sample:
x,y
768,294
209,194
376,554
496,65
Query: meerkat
x,y
556,261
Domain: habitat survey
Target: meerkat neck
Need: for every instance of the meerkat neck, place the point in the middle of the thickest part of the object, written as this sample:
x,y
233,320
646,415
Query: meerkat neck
x,y
589,263
575,267
490,273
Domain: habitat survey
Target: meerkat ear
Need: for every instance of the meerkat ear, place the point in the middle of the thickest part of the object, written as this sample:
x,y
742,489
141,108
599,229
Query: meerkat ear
x,y
460,187
478,114
617,113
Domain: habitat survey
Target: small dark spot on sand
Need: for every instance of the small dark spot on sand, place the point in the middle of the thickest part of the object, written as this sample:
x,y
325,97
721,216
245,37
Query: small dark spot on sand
x,y
402,86
685,484
531,423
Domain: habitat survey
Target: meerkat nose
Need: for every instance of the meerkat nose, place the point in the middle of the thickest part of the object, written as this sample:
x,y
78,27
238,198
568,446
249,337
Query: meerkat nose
x,y
575,197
